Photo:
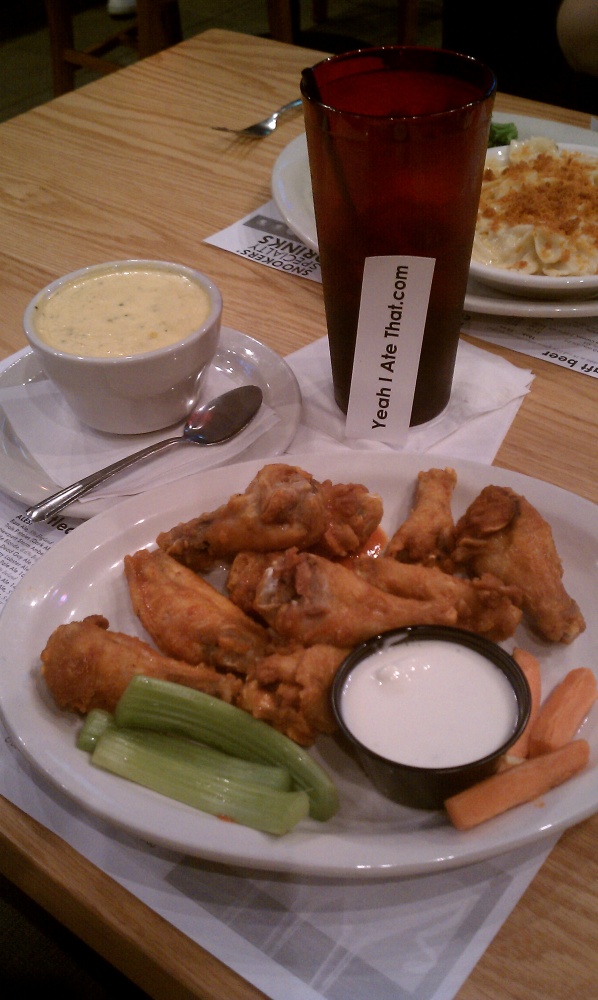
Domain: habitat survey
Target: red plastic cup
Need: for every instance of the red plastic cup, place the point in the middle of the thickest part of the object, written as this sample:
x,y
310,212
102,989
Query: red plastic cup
x,y
397,138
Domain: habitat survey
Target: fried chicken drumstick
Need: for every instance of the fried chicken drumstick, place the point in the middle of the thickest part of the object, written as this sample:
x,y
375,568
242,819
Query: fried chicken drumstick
x,y
86,666
484,605
282,506
311,599
503,534
426,537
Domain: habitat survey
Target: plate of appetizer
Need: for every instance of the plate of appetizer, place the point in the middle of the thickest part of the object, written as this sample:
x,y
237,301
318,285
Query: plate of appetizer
x,y
275,565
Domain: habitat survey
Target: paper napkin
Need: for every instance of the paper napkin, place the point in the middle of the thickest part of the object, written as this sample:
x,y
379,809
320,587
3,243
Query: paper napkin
x,y
487,392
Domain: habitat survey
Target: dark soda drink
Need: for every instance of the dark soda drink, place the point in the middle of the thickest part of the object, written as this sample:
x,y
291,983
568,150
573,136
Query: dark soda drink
x,y
397,140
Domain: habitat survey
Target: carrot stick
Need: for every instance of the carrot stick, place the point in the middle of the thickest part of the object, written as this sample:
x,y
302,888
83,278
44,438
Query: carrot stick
x,y
563,711
521,783
531,668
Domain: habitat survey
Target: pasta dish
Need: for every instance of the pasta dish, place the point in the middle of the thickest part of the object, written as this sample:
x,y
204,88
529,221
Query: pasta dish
x,y
538,211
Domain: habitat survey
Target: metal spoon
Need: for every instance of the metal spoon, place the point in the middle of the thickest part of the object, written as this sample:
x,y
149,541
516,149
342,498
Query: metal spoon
x,y
212,423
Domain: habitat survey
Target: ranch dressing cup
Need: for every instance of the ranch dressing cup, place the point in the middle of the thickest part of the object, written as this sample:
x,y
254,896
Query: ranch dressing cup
x,y
396,140
429,710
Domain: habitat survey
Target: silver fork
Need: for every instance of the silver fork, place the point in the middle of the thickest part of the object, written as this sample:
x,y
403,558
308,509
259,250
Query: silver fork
x,y
263,128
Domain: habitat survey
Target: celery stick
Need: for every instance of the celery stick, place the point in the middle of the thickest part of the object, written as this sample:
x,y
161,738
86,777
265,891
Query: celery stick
x,y
188,751
152,703
130,755
95,724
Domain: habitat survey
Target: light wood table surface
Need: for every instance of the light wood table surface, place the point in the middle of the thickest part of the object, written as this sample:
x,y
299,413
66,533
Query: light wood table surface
x,y
129,167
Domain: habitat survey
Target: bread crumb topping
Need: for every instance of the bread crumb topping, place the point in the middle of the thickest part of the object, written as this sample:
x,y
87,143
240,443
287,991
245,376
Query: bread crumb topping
x,y
538,211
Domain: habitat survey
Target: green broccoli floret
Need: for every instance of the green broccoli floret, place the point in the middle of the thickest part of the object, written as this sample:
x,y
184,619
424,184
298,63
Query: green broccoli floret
x,y
501,134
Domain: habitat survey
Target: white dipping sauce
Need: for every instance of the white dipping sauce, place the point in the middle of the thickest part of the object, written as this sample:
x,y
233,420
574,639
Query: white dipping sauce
x,y
429,704
122,312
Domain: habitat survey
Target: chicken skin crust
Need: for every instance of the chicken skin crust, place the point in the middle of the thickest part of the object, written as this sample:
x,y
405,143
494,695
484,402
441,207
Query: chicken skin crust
x,y
86,666
353,514
503,534
188,618
291,691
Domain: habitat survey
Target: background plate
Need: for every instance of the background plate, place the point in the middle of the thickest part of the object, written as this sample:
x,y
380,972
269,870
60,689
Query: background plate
x,y
82,574
291,190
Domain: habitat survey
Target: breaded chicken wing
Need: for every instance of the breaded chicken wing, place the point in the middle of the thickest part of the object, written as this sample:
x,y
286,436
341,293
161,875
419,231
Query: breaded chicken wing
x,y
86,666
281,507
314,600
503,534
484,605
244,575
353,514
188,618
291,691
427,535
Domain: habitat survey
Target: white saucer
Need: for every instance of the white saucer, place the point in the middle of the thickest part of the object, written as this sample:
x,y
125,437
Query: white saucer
x,y
291,190
240,358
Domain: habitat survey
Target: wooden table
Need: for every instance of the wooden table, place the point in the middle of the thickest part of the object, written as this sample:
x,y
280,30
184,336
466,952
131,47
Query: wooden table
x,y
129,166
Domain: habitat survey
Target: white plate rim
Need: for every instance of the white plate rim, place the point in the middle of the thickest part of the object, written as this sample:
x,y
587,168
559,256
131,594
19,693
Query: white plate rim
x,y
241,357
84,568
291,192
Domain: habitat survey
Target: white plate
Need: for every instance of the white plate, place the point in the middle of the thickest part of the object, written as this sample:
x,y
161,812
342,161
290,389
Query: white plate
x,y
82,574
241,358
291,190
484,299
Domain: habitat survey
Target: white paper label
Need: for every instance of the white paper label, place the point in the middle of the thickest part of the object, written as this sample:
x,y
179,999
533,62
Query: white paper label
x,y
392,315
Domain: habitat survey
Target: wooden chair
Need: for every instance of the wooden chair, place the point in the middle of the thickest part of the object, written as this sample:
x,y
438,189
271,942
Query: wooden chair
x,y
156,26
284,19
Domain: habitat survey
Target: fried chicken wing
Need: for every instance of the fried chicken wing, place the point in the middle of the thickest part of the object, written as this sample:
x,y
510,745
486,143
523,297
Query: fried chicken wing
x,y
244,575
353,515
86,666
427,535
283,506
314,600
291,691
188,618
484,605
503,534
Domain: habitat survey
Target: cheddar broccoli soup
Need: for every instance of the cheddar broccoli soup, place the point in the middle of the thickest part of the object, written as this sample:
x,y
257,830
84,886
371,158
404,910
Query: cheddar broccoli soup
x,y
116,313
538,211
